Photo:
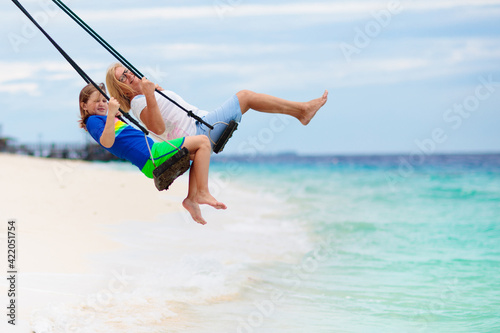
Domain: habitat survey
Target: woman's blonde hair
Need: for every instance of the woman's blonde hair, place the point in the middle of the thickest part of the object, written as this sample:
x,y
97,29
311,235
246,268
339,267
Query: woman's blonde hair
x,y
85,94
117,89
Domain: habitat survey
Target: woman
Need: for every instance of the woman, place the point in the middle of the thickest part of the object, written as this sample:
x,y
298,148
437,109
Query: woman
x,y
164,118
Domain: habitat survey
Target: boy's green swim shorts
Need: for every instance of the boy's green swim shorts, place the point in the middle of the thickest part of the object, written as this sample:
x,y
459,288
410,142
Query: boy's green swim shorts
x,y
161,151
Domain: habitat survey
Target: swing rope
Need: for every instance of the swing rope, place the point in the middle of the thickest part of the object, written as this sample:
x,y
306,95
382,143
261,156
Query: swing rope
x,y
87,79
121,59
165,173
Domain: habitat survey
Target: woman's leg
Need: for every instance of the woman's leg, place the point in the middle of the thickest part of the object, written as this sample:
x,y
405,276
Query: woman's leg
x,y
303,111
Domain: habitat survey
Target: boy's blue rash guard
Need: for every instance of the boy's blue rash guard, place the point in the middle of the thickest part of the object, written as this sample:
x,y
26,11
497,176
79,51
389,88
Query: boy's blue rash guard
x,y
130,143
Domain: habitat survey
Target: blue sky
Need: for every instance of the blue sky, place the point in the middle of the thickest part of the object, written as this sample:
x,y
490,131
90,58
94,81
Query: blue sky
x,y
403,76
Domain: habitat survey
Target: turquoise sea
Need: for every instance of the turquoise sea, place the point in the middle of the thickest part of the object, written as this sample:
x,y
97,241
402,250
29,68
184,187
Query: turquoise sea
x,y
312,244
397,244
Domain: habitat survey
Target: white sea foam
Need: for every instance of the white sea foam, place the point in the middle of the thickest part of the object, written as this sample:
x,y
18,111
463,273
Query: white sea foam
x,y
168,268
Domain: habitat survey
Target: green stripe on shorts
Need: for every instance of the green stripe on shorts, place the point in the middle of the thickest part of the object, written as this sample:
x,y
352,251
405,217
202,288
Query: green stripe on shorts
x,y
161,151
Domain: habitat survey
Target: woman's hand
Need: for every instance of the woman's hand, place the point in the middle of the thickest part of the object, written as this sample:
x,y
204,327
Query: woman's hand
x,y
151,115
147,87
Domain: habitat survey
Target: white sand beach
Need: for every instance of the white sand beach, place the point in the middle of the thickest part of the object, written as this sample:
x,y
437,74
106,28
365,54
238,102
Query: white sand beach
x,y
61,208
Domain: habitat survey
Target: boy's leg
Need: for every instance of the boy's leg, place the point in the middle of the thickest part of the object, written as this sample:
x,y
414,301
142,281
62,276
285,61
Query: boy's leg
x,y
200,149
190,202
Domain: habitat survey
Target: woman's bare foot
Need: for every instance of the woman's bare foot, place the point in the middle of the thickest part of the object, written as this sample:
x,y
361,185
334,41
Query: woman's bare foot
x,y
312,107
208,199
194,209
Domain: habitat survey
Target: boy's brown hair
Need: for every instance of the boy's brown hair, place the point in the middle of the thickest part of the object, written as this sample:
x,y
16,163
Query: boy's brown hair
x,y
85,94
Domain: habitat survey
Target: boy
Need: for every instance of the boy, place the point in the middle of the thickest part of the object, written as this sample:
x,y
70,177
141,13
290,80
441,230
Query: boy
x,y
128,143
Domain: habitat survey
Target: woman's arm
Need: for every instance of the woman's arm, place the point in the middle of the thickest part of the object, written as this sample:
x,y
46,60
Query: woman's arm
x,y
151,116
108,134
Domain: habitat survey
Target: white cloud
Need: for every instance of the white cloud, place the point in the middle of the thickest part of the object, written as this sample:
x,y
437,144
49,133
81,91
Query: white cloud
x,y
221,51
29,77
18,71
336,11
449,4
416,58
31,89
427,58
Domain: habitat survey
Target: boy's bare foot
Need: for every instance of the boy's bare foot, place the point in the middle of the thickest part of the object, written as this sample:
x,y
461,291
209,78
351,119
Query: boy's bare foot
x,y
207,199
194,209
312,107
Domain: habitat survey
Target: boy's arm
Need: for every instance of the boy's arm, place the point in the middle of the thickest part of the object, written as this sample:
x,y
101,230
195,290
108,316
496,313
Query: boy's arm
x,y
151,115
108,134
